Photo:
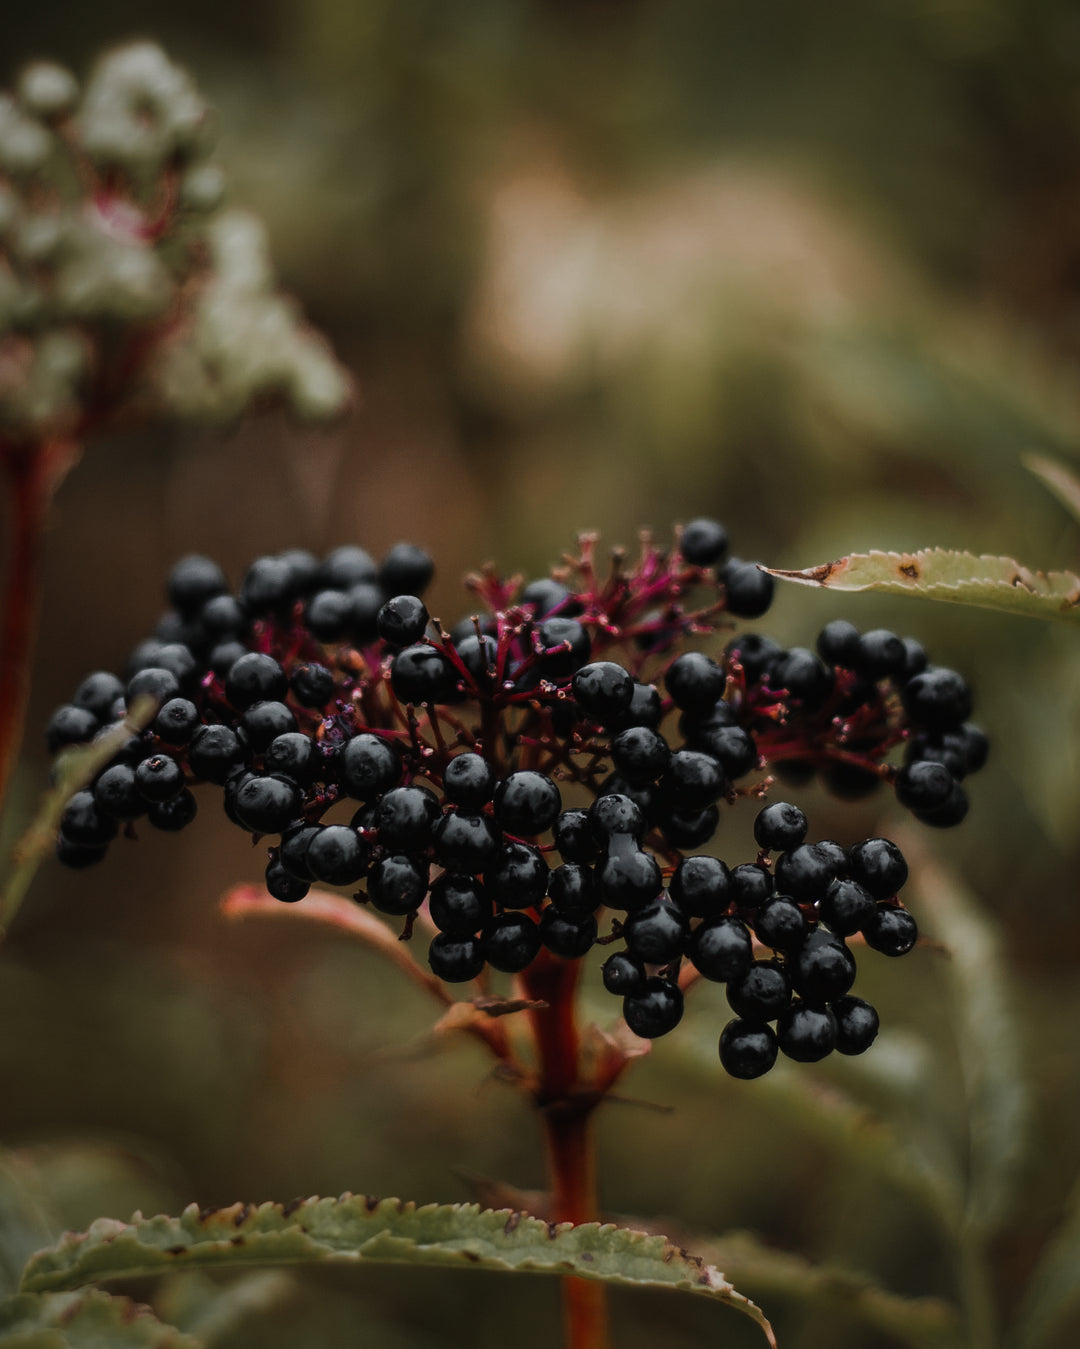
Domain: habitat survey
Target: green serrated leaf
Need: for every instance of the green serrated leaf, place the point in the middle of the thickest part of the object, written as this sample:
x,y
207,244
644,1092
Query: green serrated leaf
x,y
984,582
354,1228
87,1319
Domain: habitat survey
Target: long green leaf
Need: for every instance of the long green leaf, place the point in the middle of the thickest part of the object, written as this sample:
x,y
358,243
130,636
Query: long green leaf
x,y
354,1228
1053,1290
960,578
1064,484
87,1319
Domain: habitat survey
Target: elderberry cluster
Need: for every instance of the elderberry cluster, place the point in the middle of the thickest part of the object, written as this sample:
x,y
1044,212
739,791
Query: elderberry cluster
x,y
545,765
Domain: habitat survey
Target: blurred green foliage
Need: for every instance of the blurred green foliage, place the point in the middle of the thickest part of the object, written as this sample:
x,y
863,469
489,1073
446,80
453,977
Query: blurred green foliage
x,y
610,263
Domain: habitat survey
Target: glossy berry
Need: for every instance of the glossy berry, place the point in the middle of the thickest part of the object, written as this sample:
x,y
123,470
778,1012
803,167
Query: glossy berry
x,y
397,884
85,823
255,678
838,643
732,747
629,878
406,569
781,924
405,818
265,721
98,692
780,826
517,876
891,930
951,812
422,674
368,765
803,675
511,942
573,890
747,1049
336,855
455,959
282,885
159,778
823,968
154,682
695,681
603,689
292,852
192,581
804,873
749,590
346,566
615,815
703,542
924,785
689,829
623,974
574,836
656,1010
658,933
465,842
70,725
312,684
882,655
701,886
566,647
459,904
527,803
568,937
544,595
116,793
79,855
173,815
879,866
266,804
328,615
469,781
402,620
177,721
640,754
292,755
216,753
761,994
856,1024
846,906
751,885
693,781
805,1033
938,698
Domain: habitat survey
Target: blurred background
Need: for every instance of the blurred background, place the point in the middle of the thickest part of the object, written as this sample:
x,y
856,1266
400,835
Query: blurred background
x,y
595,264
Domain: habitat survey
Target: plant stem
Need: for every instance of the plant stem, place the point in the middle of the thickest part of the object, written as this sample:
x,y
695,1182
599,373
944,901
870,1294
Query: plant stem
x,y
566,1103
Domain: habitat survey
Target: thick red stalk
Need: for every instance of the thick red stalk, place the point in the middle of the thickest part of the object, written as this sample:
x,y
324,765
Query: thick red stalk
x,y
566,1103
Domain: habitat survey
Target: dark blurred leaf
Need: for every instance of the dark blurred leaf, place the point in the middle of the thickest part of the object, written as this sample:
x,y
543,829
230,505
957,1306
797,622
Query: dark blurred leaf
x,y
357,1229
88,1319
26,1223
960,578
1053,1290
1064,484
198,1305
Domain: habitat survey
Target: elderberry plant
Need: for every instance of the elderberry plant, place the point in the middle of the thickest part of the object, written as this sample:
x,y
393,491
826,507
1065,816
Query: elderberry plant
x,y
543,776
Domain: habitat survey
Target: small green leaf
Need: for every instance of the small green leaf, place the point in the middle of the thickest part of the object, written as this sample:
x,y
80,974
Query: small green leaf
x,y
355,1228
87,1319
992,1059
961,578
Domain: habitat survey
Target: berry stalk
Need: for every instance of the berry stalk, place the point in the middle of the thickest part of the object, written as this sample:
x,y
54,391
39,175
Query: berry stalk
x,y
566,1102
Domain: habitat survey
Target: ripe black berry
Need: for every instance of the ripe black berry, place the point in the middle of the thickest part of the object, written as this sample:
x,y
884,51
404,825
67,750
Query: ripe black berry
x,y
803,675
459,904
882,655
368,766
761,994
747,1049
732,747
574,836
402,620
517,878
328,615
397,885
846,906
545,595
693,781
856,1024
79,855
159,778
656,1010
689,829
405,817
154,682
566,647
749,590
804,873
422,674
265,721
640,754
891,930
98,692
255,678
695,682
510,942
781,924
573,890
266,804
703,542
615,815
806,1034
174,815
465,842
879,866
924,785
215,753
701,886
455,959
192,581
469,781
938,698
177,721
292,755
345,567
292,852
85,823
527,803
282,885
721,949
312,685
336,855
565,936
623,974
751,885
657,933
70,725
406,569
629,878
603,689
838,643
823,968
116,793
780,826
951,812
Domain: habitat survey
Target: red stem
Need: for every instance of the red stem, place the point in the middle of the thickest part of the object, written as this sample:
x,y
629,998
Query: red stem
x,y
566,1103
33,474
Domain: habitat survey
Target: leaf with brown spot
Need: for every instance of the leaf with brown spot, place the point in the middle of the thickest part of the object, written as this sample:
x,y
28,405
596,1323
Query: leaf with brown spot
x,y
349,1230
985,582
